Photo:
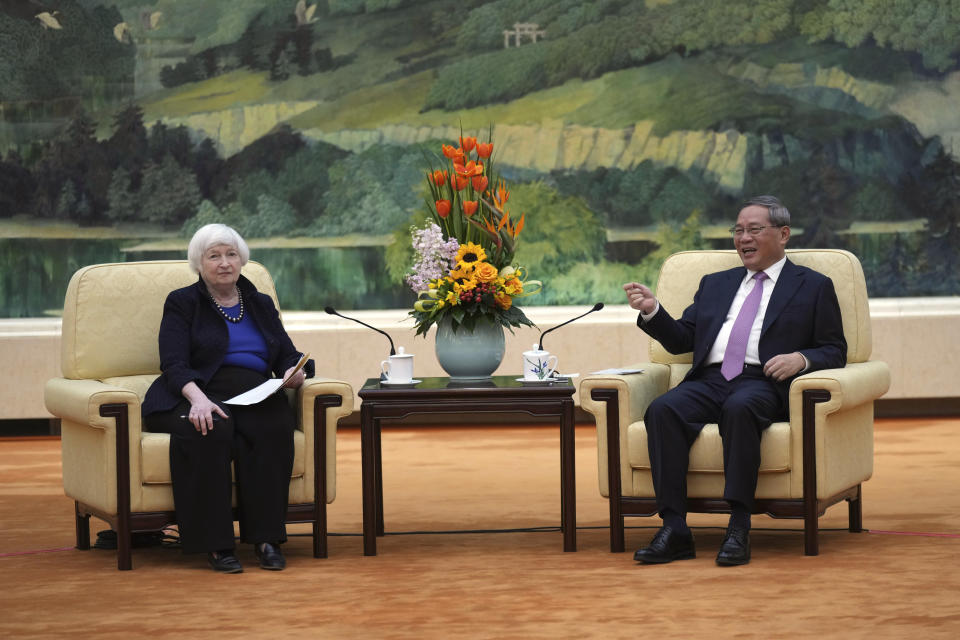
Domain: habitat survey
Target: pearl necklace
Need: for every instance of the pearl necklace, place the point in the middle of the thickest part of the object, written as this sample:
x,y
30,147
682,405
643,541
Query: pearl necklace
x,y
223,311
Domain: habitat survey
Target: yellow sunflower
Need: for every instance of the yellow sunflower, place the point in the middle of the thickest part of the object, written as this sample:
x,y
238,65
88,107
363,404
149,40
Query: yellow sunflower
x,y
459,275
469,254
465,285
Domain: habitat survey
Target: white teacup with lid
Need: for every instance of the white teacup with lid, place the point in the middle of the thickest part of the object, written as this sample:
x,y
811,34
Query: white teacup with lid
x,y
537,364
398,368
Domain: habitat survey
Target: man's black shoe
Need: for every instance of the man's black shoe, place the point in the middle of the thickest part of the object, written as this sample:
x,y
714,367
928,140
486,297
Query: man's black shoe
x,y
735,549
224,561
667,545
270,556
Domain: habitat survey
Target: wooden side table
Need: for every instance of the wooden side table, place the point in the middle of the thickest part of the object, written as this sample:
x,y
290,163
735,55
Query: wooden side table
x,y
441,395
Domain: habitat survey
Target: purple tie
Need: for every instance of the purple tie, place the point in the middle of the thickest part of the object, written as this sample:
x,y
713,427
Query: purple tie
x,y
733,357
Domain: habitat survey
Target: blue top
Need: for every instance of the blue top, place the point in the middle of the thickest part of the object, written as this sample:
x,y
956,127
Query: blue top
x,y
247,347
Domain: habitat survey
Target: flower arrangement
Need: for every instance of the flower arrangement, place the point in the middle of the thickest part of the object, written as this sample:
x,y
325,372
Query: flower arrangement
x,y
464,268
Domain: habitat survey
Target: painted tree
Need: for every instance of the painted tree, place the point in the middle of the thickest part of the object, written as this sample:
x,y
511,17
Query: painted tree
x,y
122,197
940,203
17,186
927,27
169,194
128,146
207,163
826,189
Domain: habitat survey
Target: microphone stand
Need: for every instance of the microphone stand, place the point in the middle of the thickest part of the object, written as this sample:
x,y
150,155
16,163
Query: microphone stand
x,y
334,312
393,351
596,307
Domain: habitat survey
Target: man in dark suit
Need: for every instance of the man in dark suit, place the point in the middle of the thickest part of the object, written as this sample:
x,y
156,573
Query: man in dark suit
x,y
751,329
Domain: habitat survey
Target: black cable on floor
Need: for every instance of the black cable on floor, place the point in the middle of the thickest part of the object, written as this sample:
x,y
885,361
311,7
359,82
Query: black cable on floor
x,y
169,538
546,530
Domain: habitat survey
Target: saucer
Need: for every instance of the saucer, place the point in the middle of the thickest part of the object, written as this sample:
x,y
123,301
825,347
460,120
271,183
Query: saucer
x,y
404,382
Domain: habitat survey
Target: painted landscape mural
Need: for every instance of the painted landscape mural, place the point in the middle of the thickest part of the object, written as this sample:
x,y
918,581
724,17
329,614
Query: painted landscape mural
x,y
626,129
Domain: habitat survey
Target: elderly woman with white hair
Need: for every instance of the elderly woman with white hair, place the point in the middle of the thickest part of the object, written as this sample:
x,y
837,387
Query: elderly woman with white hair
x,y
220,337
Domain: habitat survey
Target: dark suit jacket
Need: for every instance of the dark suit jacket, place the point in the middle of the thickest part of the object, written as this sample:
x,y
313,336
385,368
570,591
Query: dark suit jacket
x,y
194,340
802,315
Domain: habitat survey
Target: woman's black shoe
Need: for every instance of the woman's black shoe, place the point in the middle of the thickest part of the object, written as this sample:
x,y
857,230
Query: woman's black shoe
x,y
224,561
270,556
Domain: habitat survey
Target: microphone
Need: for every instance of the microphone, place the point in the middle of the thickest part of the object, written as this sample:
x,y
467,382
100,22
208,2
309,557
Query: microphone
x,y
334,312
596,307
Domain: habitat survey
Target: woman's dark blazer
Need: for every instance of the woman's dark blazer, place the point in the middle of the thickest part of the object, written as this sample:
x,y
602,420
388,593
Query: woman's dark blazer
x,y
194,340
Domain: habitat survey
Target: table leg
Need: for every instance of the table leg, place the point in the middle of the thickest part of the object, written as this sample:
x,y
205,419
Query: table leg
x,y
368,464
568,484
378,466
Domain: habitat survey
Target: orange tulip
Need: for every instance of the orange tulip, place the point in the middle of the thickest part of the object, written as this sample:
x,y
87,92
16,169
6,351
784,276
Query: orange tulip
x,y
467,144
458,182
450,151
480,183
484,149
443,208
470,170
440,177
469,207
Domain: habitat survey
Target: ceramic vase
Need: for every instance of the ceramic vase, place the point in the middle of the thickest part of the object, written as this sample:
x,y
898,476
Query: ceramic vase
x,y
470,355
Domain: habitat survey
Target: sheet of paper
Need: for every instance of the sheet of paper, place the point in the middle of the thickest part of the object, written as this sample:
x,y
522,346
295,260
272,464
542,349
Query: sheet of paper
x,y
258,393
263,391
617,372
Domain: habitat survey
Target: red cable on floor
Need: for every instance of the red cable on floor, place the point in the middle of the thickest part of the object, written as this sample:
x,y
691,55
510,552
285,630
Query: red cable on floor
x,y
915,533
27,553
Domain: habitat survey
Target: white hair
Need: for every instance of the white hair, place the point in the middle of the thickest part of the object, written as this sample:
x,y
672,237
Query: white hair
x,y
211,235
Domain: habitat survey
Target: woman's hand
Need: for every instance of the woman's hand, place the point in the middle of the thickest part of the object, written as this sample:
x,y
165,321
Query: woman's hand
x,y
202,409
295,380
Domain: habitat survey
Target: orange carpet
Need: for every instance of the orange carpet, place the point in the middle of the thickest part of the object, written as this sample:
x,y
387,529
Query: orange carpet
x,y
888,583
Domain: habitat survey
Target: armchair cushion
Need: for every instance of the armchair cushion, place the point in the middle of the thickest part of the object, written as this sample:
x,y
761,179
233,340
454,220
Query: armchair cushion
x,y
706,454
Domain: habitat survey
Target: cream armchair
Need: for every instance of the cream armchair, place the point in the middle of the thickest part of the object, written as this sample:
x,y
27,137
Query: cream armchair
x,y
121,474
818,458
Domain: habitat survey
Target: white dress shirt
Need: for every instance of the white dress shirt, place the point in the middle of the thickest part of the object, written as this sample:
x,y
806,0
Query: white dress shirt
x,y
715,355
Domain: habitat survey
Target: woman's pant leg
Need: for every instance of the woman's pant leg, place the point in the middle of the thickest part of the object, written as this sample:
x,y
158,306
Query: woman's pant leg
x,y
263,460
200,471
